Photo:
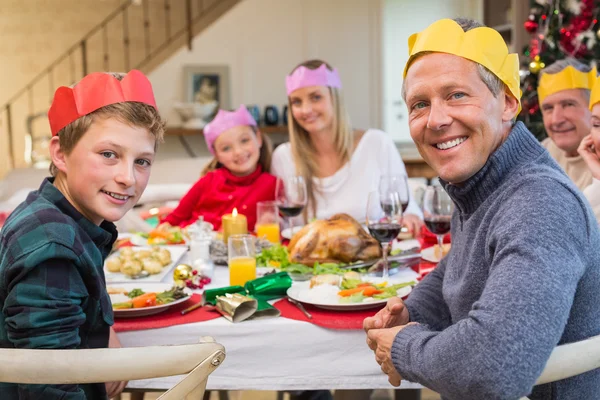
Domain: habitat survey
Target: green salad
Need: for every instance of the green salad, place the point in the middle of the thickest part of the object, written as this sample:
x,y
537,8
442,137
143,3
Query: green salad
x,y
277,256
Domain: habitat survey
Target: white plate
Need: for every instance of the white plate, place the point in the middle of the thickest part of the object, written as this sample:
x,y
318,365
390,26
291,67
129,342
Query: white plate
x,y
147,288
404,245
428,254
286,233
325,296
139,240
176,253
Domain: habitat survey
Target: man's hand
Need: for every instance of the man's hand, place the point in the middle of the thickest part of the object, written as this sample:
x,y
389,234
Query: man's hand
x,y
114,388
590,155
393,314
413,223
383,339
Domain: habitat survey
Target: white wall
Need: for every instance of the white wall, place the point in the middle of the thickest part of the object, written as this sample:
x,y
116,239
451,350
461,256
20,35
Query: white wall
x,y
263,40
401,18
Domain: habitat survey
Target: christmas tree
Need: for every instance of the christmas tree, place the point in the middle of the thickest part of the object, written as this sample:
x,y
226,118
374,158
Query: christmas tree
x,y
559,29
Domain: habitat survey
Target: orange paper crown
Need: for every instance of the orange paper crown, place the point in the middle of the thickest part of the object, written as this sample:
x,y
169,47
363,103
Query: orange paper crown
x,y
95,91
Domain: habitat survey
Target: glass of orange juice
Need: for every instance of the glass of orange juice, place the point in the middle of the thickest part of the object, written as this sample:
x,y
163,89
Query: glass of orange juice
x,y
267,221
242,260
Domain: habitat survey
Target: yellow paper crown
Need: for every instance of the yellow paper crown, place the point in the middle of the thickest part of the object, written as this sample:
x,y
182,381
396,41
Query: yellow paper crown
x,y
482,45
568,78
595,95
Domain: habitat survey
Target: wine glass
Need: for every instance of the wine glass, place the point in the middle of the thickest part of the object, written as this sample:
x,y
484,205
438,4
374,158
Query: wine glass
x,y
291,198
384,220
395,184
437,212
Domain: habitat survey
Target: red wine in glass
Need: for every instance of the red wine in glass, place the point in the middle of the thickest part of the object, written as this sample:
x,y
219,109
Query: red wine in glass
x,y
291,197
439,225
290,210
385,232
404,206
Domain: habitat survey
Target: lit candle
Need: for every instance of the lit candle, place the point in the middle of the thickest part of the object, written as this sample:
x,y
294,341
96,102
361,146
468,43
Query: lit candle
x,y
234,224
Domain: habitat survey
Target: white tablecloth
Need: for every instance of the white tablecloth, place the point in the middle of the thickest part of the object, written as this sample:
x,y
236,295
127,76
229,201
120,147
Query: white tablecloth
x,y
272,354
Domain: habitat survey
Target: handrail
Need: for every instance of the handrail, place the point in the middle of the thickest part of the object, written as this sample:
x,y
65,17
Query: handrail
x,y
81,46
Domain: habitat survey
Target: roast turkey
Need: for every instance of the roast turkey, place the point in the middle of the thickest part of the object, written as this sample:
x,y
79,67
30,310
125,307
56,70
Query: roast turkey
x,y
339,239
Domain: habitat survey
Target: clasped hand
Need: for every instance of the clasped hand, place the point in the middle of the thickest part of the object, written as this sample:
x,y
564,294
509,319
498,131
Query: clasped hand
x,y
381,330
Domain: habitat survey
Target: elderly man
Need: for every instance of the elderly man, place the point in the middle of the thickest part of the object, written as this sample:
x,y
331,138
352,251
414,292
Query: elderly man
x,y
523,274
564,95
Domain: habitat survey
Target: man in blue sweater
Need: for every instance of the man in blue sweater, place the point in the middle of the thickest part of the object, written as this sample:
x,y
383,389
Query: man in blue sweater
x,y
523,274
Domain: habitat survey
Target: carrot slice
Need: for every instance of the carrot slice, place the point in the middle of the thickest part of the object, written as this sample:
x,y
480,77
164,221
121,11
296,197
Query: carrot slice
x,y
371,291
145,300
350,292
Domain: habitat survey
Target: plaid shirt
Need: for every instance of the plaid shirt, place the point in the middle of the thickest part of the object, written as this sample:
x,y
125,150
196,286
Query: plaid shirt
x,y
52,286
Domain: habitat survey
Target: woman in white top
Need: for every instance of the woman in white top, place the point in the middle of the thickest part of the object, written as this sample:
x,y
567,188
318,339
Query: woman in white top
x,y
339,164
589,149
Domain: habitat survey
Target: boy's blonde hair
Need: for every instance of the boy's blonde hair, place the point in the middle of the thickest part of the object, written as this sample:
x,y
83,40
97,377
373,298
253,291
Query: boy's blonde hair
x,y
303,151
266,152
131,113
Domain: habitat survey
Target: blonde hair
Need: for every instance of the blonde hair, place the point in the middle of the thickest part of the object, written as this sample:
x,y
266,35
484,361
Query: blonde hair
x,y
266,152
303,150
131,113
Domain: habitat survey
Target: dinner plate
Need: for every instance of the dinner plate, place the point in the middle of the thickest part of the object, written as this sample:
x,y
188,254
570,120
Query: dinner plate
x,y
147,288
286,233
139,240
176,253
325,296
428,254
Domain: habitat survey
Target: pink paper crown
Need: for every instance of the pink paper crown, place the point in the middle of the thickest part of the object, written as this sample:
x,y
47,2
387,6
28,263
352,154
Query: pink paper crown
x,y
224,121
95,91
303,77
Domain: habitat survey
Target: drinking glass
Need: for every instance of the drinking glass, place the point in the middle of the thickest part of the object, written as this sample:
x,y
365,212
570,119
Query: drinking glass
x,y
437,212
242,259
267,221
384,220
395,184
291,197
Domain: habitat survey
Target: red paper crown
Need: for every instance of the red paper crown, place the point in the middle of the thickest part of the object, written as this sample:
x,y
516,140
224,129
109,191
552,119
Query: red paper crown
x,y
95,91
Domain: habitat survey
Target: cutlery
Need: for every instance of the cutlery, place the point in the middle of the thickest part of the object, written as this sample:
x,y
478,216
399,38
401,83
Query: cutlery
x,y
375,270
404,256
300,307
192,308
142,274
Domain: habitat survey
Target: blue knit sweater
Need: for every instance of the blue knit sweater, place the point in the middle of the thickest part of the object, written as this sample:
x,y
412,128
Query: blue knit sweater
x,y
523,276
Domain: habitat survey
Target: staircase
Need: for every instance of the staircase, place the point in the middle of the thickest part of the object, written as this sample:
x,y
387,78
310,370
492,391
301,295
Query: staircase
x,y
139,34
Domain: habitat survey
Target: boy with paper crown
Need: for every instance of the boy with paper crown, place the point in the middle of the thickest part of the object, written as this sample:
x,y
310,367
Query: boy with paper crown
x,y
589,149
237,177
564,95
483,323
53,295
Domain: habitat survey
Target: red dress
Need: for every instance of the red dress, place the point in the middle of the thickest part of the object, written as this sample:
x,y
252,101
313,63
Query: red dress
x,y
218,192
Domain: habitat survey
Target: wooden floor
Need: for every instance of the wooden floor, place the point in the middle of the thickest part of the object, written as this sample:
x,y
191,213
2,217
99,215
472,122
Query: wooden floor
x,y
271,395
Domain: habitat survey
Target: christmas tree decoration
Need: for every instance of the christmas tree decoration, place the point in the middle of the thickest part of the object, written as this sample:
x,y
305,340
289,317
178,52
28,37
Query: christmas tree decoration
x,y
536,65
531,26
565,28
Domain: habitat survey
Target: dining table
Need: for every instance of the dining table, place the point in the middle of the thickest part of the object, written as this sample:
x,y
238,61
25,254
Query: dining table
x,y
279,353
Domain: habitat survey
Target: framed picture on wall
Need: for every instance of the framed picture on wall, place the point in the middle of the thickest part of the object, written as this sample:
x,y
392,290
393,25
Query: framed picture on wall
x,y
206,84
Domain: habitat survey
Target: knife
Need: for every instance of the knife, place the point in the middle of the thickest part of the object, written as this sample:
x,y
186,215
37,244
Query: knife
x,y
398,258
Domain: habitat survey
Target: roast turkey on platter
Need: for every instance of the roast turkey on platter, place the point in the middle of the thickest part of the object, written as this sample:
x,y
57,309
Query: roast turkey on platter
x,y
339,239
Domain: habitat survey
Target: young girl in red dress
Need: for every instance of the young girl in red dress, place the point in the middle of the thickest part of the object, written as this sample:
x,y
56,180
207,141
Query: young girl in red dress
x,y
237,177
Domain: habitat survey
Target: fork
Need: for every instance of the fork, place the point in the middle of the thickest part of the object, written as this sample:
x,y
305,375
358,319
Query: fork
x,y
300,307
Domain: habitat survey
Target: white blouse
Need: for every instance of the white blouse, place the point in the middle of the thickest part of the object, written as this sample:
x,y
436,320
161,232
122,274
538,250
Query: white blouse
x,y
347,191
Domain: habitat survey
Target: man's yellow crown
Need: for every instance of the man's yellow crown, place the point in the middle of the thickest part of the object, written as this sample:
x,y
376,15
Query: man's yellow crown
x,y
482,45
568,78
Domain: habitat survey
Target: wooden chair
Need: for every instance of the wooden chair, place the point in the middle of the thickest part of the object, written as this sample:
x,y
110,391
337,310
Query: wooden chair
x,y
198,361
571,359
